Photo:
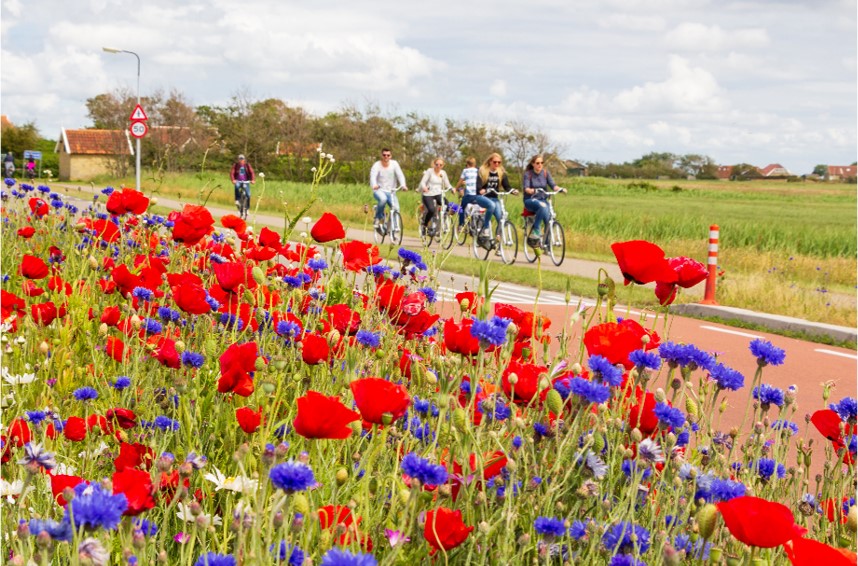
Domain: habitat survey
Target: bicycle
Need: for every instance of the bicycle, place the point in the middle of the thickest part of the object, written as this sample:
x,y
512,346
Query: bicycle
x,y
243,202
391,225
554,238
505,242
441,225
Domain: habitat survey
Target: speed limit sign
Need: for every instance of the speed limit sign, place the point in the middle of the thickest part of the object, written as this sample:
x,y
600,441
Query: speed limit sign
x,y
139,129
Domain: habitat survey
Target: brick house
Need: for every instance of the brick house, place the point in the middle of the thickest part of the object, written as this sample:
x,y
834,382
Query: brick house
x,y
774,170
86,154
724,172
838,172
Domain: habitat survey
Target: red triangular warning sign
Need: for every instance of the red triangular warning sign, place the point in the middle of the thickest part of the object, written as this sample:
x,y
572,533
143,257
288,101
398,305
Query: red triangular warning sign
x,y
138,114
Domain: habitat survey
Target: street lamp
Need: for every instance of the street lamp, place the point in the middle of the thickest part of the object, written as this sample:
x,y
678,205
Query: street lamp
x,y
137,152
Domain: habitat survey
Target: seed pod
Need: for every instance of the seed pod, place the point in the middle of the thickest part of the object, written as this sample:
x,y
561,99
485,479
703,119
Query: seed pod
x,y
300,503
691,407
342,476
707,518
258,274
460,419
554,401
260,364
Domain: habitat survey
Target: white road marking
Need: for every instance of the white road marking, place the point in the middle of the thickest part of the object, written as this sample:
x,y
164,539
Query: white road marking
x,y
833,353
725,331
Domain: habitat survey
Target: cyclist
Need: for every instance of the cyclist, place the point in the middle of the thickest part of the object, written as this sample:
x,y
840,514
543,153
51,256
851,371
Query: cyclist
x,y
432,187
384,178
536,179
467,188
240,175
9,164
491,181
30,168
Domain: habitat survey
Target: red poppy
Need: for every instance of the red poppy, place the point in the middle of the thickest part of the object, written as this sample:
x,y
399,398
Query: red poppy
x,y
616,340
57,285
192,224
124,418
758,522
314,349
357,256
248,419
137,487
44,313
458,338
665,293
231,276
33,267
327,229
30,289
134,455
343,318
416,325
108,286
469,301
445,529
19,432
643,262
234,222
166,354
528,323
38,207
389,296
320,416
257,253
493,463
26,232
98,423
528,381
115,348
269,238
236,364
376,397
808,552
191,298
689,273
339,519
642,413
60,482
127,200
75,429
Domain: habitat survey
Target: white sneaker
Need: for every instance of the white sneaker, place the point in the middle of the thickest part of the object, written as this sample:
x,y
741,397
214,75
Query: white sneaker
x,y
237,203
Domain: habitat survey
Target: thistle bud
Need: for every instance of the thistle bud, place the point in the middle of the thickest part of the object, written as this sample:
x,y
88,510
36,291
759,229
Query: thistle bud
x,y
707,518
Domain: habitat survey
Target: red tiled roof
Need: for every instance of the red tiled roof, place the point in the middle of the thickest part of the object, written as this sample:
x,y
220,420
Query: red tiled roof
x,y
97,142
4,121
724,171
772,167
842,171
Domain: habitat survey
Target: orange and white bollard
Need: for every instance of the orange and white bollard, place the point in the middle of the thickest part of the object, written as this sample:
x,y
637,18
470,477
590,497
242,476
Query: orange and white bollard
x,y
712,264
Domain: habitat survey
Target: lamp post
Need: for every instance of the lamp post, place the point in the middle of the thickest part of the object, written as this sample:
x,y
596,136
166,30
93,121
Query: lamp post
x,y
137,150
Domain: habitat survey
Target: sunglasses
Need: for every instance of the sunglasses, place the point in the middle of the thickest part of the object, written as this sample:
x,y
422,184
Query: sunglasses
x,y
496,162
439,165
385,155
537,163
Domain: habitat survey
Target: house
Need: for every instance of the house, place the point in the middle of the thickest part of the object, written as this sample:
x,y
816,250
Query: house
x,y
86,154
774,170
837,172
724,172
575,168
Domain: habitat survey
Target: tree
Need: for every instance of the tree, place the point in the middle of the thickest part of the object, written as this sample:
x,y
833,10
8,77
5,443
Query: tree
x,y
700,166
821,170
18,139
743,171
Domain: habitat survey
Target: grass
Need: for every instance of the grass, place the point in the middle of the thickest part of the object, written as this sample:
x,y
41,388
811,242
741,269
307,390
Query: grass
x,y
785,248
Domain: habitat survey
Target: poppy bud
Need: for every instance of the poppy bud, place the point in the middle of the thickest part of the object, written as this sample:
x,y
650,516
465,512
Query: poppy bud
x,y
404,495
44,347
260,364
300,503
598,443
660,395
513,378
637,435
258,274
279,363
342,476
707,517
554,401
576,369
210,346
136,322
484,527
180,346
248,297
852,518
93,263
715,555
386,418
672,557
268,387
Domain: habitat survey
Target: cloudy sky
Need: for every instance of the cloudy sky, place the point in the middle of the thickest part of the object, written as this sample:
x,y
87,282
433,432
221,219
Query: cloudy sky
x,y
756,81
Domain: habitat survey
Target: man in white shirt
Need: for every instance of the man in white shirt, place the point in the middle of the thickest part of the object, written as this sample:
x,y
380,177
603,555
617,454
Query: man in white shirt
x,y
384,178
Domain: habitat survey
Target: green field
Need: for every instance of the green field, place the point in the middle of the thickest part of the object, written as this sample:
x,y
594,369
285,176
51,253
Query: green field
x,y
786,248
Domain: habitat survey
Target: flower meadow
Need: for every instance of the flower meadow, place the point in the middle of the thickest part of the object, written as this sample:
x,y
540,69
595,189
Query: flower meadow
x,y
179,390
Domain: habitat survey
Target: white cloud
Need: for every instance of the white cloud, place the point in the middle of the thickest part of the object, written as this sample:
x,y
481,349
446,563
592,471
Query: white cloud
x,y
691,36
498,88
633,22
687,88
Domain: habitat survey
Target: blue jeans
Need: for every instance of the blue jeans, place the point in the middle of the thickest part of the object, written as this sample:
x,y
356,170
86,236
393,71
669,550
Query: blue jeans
x,y
483,202
495,211
540,209
384,198
242,186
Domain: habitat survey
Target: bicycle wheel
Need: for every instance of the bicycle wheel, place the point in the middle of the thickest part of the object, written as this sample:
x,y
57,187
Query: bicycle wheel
x,y
557,243
395,227
379,233
447,235
244,204
423,231
462,231
480,252
529,252
508,243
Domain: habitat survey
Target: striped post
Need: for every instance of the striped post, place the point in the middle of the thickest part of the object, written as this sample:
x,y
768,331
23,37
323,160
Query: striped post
x,y
712,264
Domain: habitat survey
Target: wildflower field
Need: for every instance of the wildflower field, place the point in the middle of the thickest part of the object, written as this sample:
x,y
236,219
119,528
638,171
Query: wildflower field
x,y
180,390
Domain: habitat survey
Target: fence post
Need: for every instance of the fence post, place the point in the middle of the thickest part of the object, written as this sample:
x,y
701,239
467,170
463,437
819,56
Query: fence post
x,y
712,264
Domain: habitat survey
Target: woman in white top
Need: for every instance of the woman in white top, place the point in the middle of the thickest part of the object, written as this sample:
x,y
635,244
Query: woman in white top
x,y
432,187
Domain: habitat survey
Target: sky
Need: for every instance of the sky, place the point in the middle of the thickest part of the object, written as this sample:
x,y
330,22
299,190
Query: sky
x,y
740,81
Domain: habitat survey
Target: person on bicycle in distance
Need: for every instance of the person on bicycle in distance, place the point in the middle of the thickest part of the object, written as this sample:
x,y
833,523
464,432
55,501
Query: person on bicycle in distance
x,y
384,178
241,172
432,187
537,177
467,189
491,181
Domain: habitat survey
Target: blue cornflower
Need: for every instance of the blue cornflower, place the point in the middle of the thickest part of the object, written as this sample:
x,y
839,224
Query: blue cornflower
x,y
578,530
668,416
491,332
94,507
784,425
767,353
121,382
423,470
377,269
673,354
169,315
165,423
421,405
293,281
339,557
625,560
215,559
193,359
151,326
516,442
145,526
292,476
57,203
591,391
288,329
549,526
216,258
317,264
284,552
597,467
604,371
10,182
430,294
495,409
368,339
540,429
727,378
61,530
107,191
725,490
420,430
408,256
85,394
630,468
650,451
847,408
618,538
230,320
563,386
697,358
768,395
766,468
214,304
695,550
36,417
645,360
143,293
683,437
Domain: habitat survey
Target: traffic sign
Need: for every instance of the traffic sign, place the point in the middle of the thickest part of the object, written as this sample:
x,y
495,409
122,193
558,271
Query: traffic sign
x,y
37,155
138,129
138,114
